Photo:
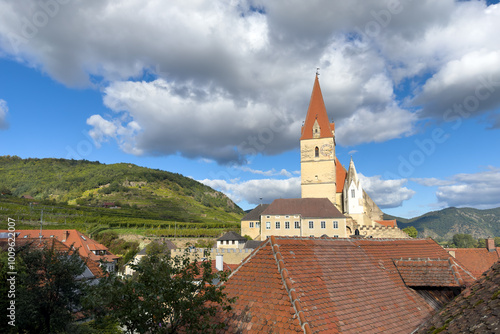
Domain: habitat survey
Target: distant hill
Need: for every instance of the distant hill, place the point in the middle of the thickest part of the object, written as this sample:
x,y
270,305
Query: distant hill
x,y
445,223
137,191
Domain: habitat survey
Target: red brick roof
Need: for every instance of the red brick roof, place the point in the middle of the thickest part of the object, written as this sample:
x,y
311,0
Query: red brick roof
x,y
307,207
74,238
341,175
476,260
327,285
317,111
389,223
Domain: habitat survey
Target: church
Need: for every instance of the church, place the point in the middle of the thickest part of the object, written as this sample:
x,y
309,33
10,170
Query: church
x,y
332,202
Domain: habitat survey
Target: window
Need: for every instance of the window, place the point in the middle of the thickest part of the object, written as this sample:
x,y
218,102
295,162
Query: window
x,y
335,236
257,224
278,225
335,224
297,224
233,242
268,225
277,216
287,225
251,224
268,216
316,152
311,224
323,224
353,193
287,216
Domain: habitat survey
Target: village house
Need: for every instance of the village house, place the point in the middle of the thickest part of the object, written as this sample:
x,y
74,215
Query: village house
x,y
87,247
340,285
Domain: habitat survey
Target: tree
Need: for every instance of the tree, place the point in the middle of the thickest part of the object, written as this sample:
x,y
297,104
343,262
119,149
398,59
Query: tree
x,y
48,291
164,295
411,231
464,241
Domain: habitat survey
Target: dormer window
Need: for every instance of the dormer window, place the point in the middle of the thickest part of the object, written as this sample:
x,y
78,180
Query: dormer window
x,y
316,129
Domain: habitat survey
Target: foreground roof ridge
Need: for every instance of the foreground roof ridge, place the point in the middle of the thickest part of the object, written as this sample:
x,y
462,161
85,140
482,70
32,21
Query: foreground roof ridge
x,y
292,294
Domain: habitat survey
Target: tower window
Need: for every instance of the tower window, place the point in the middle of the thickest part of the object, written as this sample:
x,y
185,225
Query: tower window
x,y
353,193
316,152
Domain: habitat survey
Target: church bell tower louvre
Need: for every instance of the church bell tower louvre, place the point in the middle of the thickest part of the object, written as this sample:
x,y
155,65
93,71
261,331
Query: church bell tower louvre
x,y
317,151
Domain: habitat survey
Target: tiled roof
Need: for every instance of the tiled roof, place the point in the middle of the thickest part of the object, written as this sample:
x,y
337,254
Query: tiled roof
x,y
389,223
429,272
476,260
341,175
255,213
475,310
307,207
231,236
327,285
317,111
74,238
92,265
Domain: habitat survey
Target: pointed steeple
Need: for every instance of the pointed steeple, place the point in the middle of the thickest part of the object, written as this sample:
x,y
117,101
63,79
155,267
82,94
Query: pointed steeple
x,y
317,124
352,175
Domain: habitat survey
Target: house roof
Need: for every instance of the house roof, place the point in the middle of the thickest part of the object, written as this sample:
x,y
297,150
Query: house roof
x,y
93,266
293,284
170,245
252,244
232,236
306,207
389,223
476,260
78,240
317,112
341,175
475,310
429,272
255,213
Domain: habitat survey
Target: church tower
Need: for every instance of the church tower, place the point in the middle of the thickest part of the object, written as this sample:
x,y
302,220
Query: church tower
x,y
317,151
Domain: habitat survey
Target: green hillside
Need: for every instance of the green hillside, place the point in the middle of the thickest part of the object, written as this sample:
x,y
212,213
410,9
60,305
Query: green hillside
x,y
119,195
445,223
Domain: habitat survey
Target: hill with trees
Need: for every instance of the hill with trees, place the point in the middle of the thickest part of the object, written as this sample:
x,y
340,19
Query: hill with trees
x,y
444,224
77,193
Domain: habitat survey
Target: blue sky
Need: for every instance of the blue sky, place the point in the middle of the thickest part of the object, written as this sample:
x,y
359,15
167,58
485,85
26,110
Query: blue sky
x,y
218,91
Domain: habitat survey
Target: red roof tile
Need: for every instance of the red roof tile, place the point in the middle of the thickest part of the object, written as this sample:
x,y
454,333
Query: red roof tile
x,y
328,285
476,260
389,223
341,175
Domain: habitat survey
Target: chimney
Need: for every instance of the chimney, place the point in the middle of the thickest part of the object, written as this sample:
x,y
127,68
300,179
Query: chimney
x,y
490,244
219,263
66,235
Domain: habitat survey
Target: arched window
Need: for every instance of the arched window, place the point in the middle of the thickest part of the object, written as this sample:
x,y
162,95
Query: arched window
x,y
316,152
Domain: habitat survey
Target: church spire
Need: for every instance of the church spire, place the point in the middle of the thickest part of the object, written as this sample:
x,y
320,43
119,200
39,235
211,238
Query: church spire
x,y
317,124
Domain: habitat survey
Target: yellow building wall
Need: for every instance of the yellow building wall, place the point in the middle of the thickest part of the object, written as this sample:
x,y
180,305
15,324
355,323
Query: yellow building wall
x,y
253,232
304,229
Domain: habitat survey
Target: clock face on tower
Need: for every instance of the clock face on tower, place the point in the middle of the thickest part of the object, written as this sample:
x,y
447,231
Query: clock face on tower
x,y
326,150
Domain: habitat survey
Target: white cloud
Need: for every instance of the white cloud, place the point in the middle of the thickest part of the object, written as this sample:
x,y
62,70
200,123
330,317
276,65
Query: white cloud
x,y
3,115
223,72
432,182
480,190
386,193
252,191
